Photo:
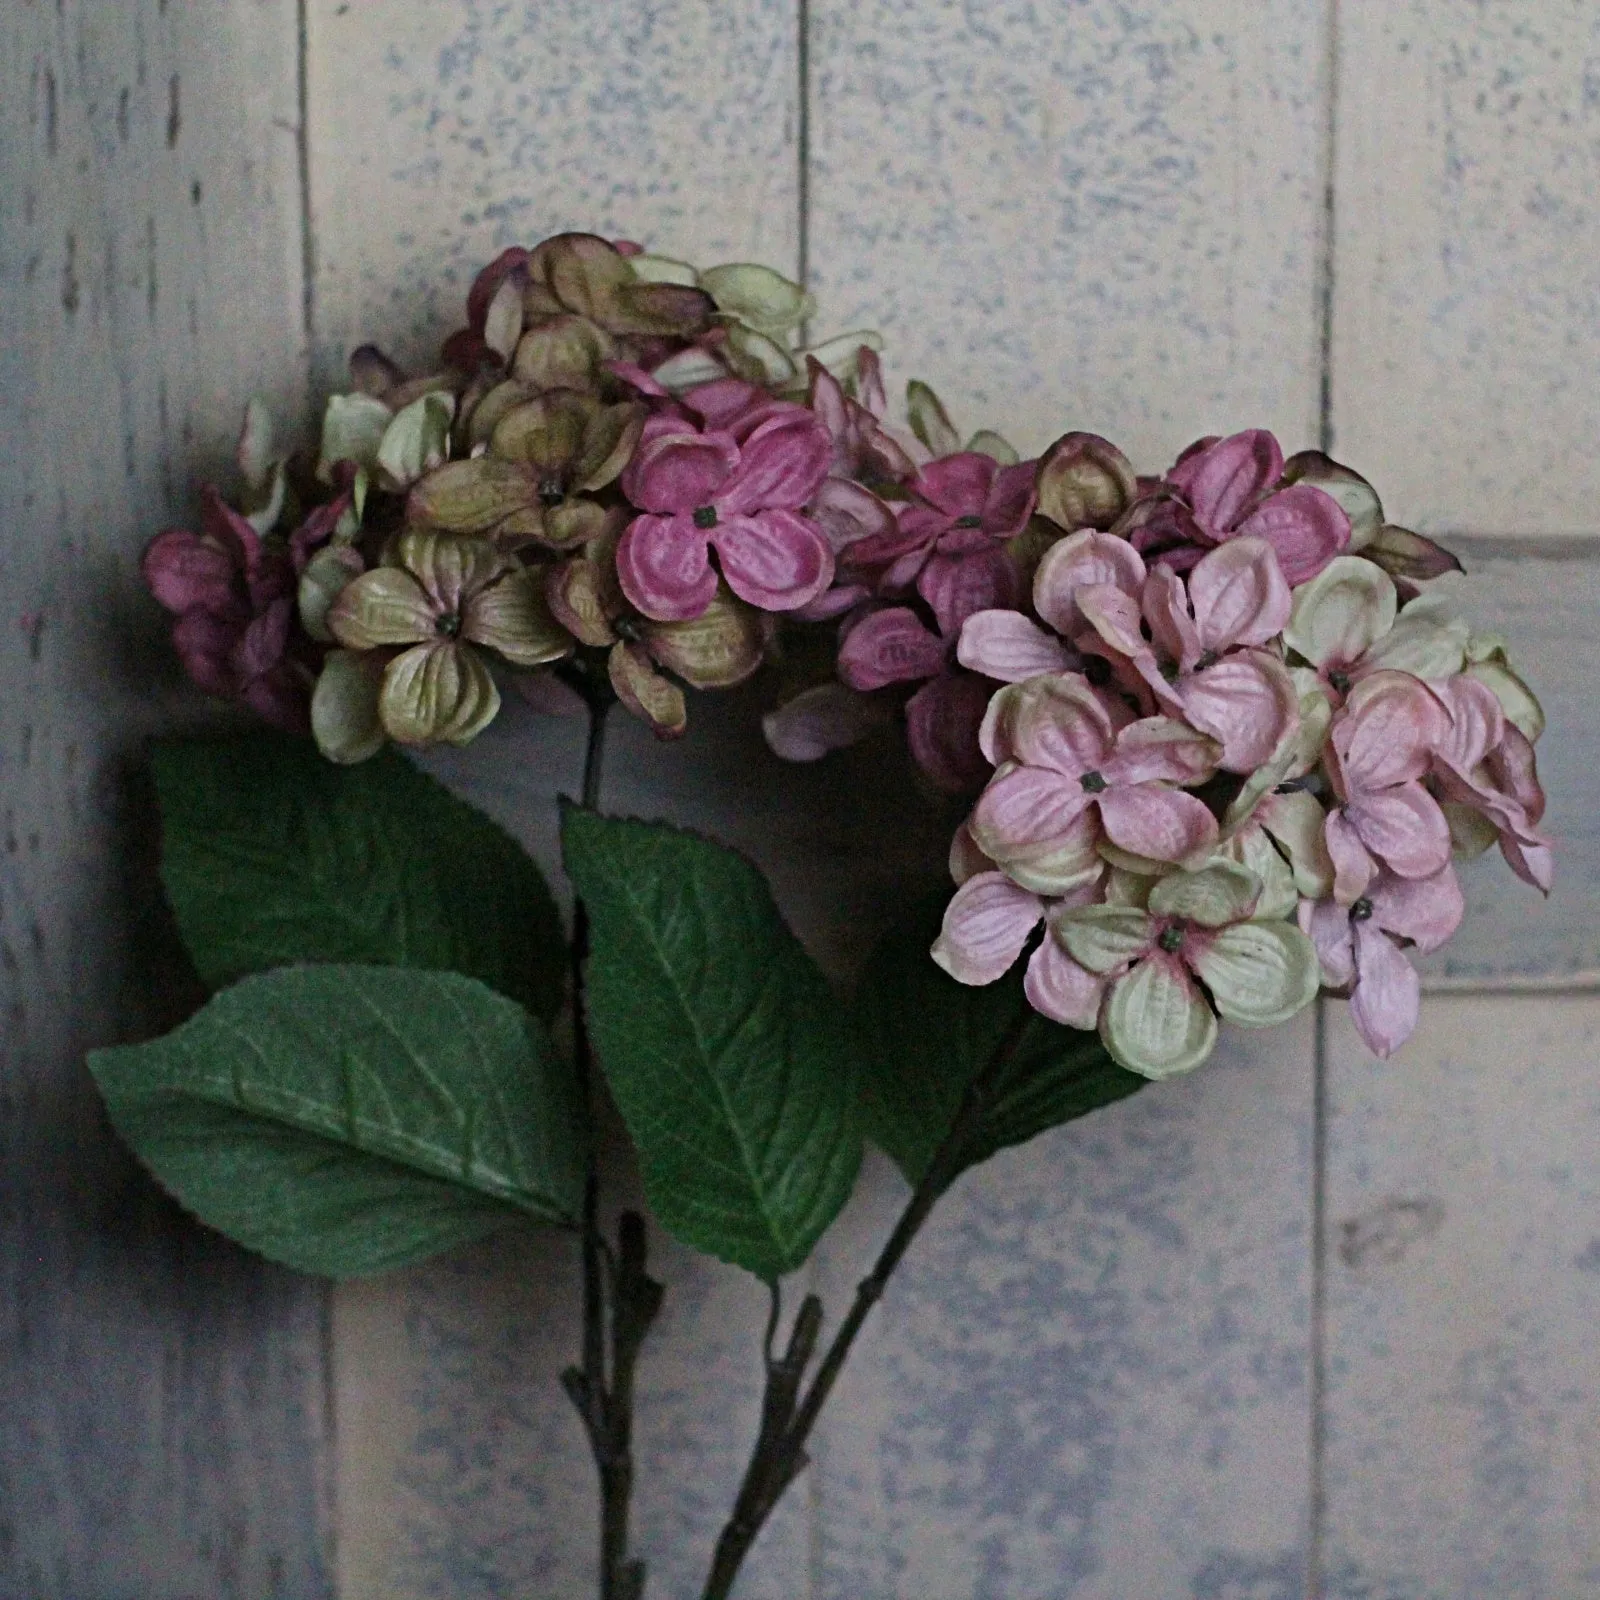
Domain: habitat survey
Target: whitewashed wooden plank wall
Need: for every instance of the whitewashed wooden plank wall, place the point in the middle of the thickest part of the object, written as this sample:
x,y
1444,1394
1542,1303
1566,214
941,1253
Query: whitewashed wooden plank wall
x,y
1302,1326
162,1428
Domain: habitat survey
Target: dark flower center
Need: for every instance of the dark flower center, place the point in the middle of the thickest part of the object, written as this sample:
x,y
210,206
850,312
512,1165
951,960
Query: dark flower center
x,y
1209,659
1093,783
448,624
1361,911
1098,671
1169,671
1171,940
1340,681
551,492
1292,786
706,517
969,522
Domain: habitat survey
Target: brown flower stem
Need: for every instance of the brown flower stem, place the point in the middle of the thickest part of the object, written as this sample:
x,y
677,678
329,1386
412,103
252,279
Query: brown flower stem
x,y
787,1418
620,1299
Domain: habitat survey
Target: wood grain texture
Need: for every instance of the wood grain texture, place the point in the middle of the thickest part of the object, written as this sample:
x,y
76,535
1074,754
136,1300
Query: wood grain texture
x,y
1092,1379
1466,310
1463,1250
162,1429
1082,215
443,132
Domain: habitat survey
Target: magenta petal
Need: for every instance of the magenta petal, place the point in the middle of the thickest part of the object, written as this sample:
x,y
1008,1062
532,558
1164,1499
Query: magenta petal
x,y
1010,500
1387,994
777,560
260,647
184,571
1425,910
1404,828
280,700
887,647
942,722
986,924
1327,924
959,484
204,642
848,513
230,530
959,586
1221,480
1007,646
1240,595
677,470
780,466
1247,702
724,403
664,569
832,603
1305,527
1058,988
1164,824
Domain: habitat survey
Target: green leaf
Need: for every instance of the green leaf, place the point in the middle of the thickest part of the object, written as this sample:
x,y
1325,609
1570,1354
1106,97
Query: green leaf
x,y
272,855
924,1036
730,1060
348,1119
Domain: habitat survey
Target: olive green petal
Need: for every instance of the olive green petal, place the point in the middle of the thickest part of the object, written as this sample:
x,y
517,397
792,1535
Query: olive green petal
x,y
437,693
564,352
512,617
545,434
717,649
452,569
576,593
649,696
608,445
472,496
494,404
344,707
385,607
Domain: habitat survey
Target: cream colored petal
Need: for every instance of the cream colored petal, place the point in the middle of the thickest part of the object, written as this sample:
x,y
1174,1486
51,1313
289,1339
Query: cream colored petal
x,y
1103,938
387,606
1255,851
1155,1021
353,427
1342,612
1219,893
344,707
1260,973
416,441
1297,821
327,574
440,693
759,297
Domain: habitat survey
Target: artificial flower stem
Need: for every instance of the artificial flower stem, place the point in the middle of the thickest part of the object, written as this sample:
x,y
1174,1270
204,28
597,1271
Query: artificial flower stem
x,y
602,1389
787,1418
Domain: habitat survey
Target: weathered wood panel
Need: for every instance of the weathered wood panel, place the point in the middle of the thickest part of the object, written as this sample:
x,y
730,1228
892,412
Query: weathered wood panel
x,y
1093,1378
1463,1262
1466,284
440,134
162,1428
1085,215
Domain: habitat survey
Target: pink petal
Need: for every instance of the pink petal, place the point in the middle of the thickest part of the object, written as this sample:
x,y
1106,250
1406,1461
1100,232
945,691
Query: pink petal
x,y
957,485
1058,988
1164,824
1029,809
780,466
1161,750
869,381
1165,605
677,470
848,513
1007,646
1305,527
777,560
1115,617
890,646
1425,910
185,572
942,722
1404,828
664,569
1239,595
957,587
1247,702
1327,924
1061,724
1391,725
1534,863
986,924
1010,500
829,717
1080,561
1387,995
1221,481
1512,766
1353,867
1476,723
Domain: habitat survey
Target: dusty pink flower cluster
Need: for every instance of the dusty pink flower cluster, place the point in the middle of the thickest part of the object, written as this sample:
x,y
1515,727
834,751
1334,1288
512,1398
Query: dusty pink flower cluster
x,y
1227,748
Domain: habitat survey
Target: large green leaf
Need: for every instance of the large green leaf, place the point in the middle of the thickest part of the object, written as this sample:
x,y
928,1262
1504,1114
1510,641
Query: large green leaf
x,y
924,1036
729,1058
348,1119
272,855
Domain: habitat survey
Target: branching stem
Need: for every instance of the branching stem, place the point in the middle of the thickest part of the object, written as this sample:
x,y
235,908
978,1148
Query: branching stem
x,y
787,1418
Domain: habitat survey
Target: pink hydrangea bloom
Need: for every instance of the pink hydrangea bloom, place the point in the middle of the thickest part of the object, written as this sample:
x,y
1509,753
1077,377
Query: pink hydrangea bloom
x,y
1381,746
233,595
1075,770
1227,488
704,490
1357,947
